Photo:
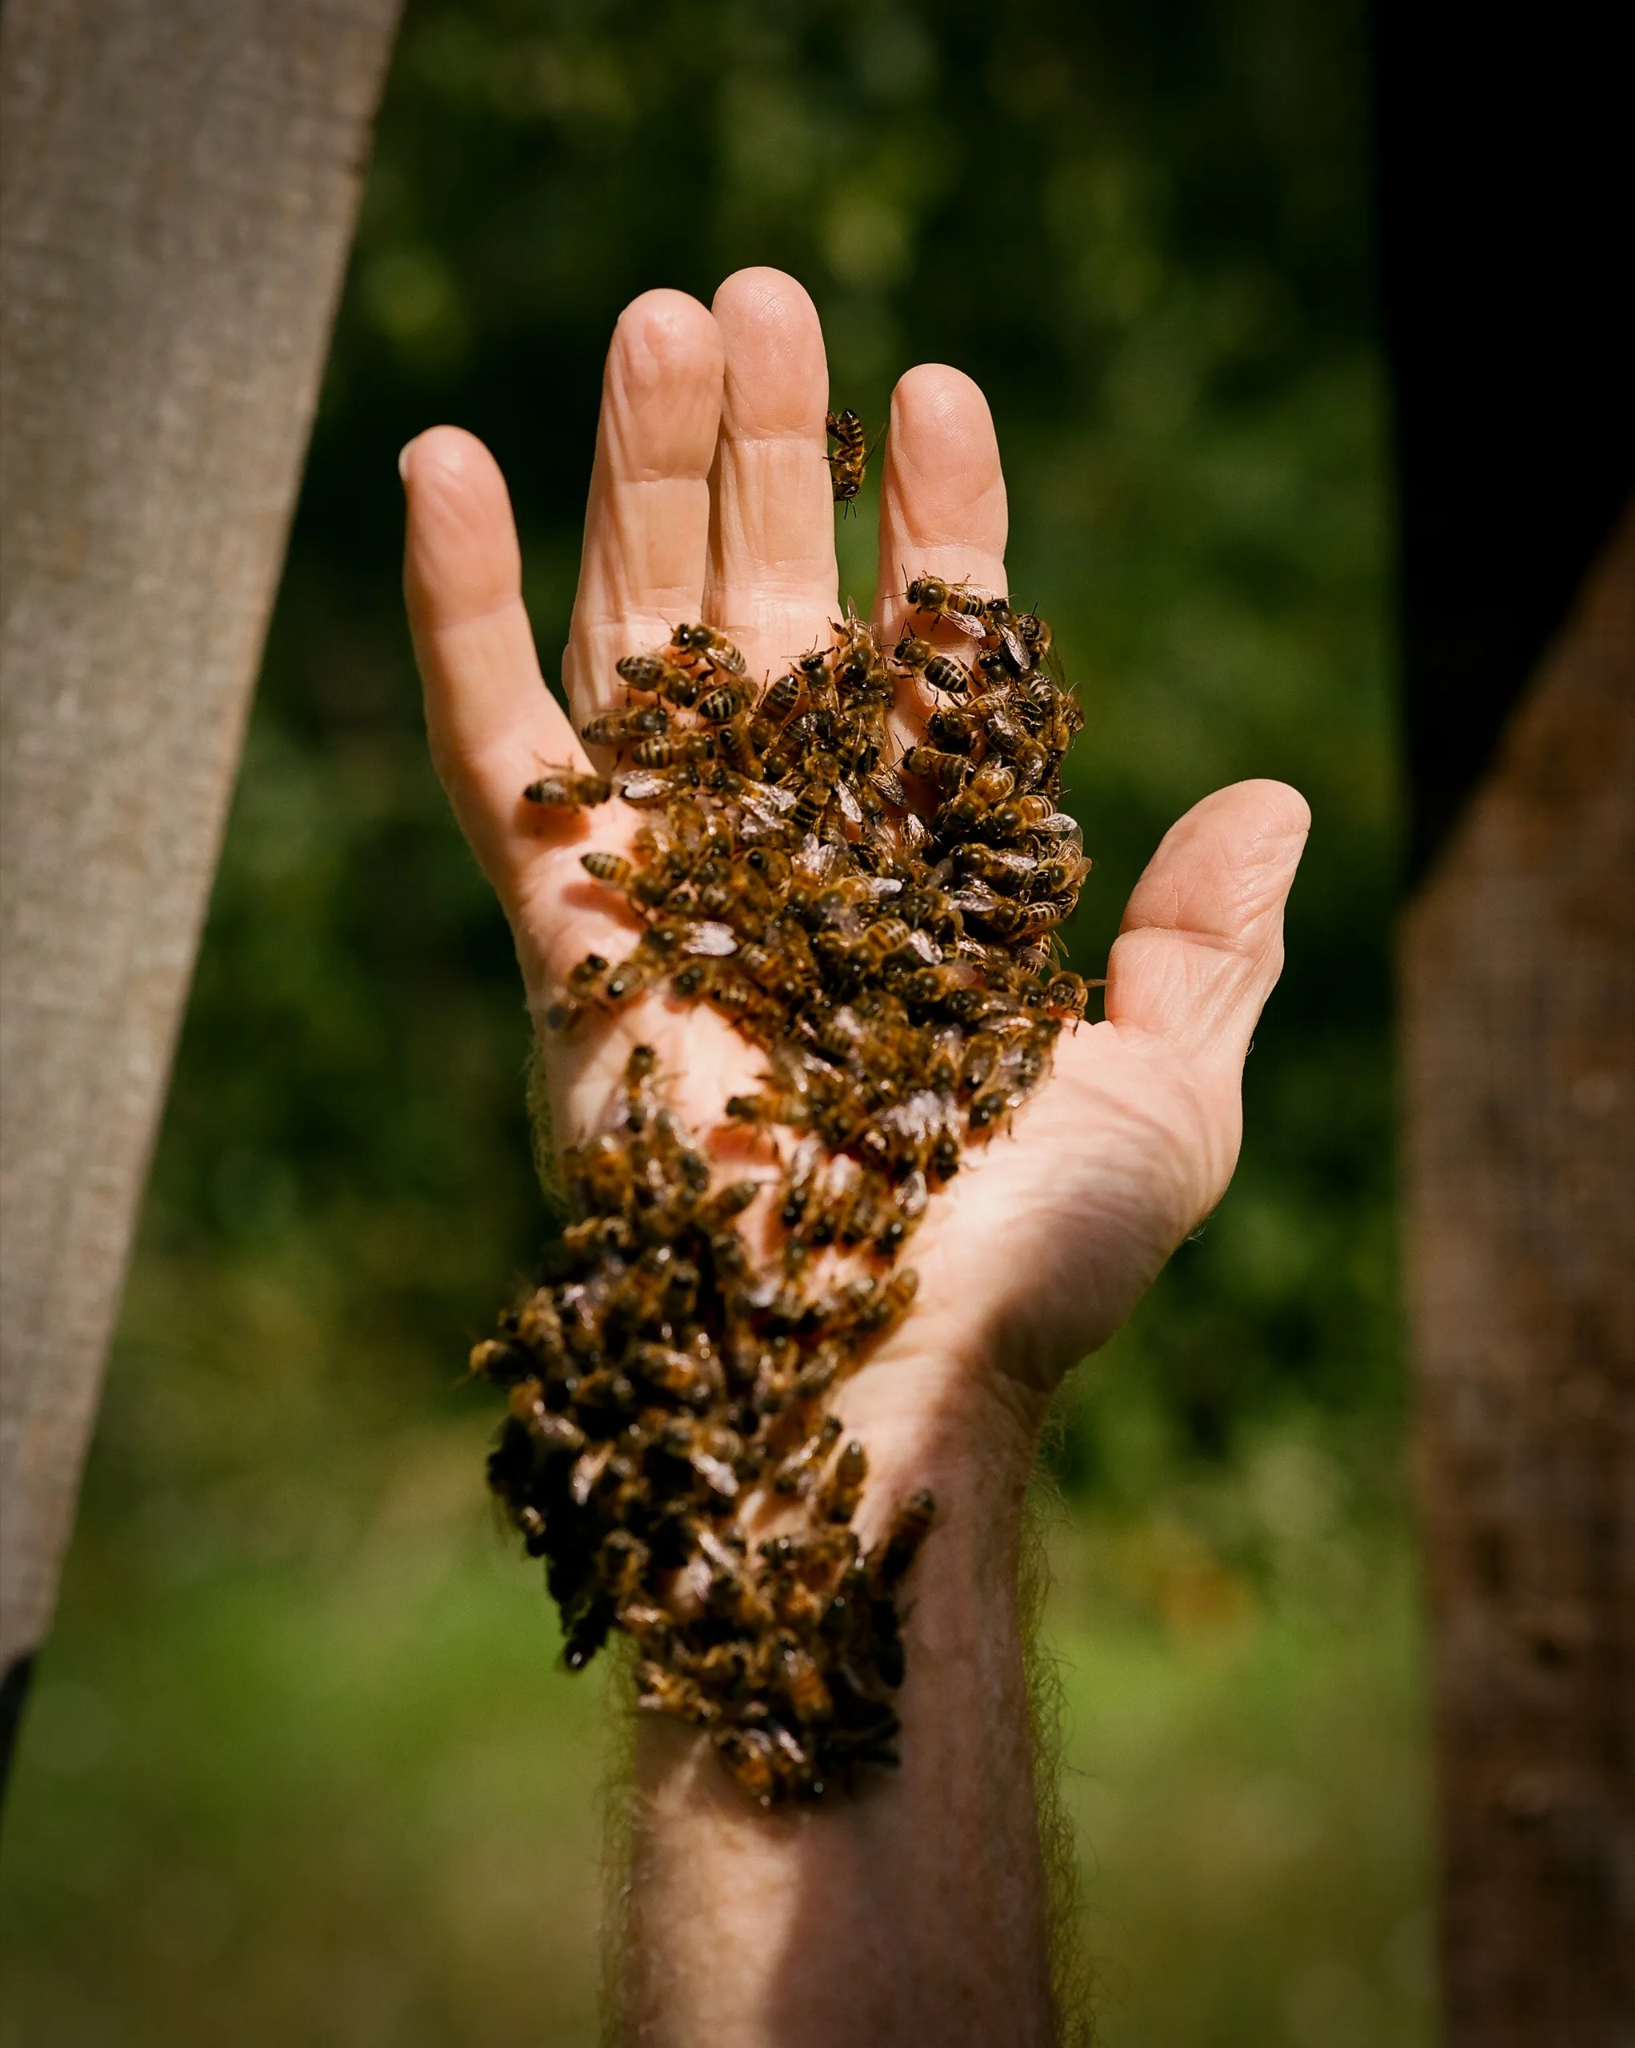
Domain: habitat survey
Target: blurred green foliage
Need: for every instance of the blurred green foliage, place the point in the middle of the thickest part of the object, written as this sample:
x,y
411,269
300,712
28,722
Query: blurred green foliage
x,y
1143,228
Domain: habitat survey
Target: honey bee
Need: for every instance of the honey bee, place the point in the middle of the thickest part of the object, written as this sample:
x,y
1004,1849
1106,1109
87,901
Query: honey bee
x,y
880,940
739,1602
539,1327
736,746
599,1179
1036,636
629,978
723,1668
993,782
889,1302
705,643
995,1104
1046,914
955,732
860,741
798,1473
1067,993
887,785
941,671
1060,873
839,1034
499,1362
725,701
618,728
659,1691
567,788
588,1633
797,1676
850,459
889,1563
828,1218
1003,916
676,749
822,773
1031,763
954,604
925,986
1000,868
652,673
648,790
946,771
1001,622
779,698
837,1501
772,865
771,971
622,1563
747,1754
583,986
768,1108
820,1372
640,885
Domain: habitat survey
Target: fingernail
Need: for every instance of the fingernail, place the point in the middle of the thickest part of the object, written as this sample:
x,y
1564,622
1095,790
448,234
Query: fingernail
x,y
403,460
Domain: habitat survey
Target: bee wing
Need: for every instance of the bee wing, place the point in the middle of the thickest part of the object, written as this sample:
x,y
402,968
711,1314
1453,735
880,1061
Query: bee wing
x,y
1062,825
644,789
962,622
714,940
817,858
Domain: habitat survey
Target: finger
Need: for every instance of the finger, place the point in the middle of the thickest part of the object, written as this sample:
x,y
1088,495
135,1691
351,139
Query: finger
x,y
1201,944
648,522
772,583
491,721
942,499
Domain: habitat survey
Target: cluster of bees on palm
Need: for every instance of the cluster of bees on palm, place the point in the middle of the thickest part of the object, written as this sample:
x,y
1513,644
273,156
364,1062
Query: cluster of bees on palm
x,y
881,922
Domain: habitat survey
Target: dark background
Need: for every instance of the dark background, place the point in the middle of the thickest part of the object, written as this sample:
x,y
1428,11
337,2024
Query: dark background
x,y
300,1768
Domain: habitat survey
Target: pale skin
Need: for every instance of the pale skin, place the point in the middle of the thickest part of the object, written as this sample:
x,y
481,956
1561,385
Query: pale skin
x,y
916,1911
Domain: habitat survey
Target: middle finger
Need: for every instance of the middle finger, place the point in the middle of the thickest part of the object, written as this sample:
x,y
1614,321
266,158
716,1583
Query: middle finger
x,y
772,584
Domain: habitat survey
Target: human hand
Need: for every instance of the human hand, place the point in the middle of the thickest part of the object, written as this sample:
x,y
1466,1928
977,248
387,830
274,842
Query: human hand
x,y
711,500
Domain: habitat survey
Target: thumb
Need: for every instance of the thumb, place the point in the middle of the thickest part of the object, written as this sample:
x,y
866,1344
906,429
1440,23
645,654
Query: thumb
x,y
491,721
1201,945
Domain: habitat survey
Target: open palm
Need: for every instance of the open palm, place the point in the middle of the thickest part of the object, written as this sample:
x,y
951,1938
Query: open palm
x,y
711,500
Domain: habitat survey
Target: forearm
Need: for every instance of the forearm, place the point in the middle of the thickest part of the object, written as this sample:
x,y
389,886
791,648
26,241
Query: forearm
x,y
914,1910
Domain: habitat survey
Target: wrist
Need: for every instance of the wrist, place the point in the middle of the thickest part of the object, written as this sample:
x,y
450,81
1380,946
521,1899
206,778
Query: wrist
x,y
971,1437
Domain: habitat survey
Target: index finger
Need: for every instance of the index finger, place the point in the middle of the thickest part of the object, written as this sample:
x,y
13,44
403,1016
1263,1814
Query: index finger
x,y
489,717
648,523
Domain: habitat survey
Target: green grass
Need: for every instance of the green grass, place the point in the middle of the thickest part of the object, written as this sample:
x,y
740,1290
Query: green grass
x,y
1247,1791
347,1798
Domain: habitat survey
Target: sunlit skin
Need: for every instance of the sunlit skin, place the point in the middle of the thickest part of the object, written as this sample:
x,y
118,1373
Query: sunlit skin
x,y
917,1911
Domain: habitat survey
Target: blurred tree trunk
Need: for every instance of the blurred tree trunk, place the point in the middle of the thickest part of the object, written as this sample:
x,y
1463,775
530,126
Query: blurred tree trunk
x,y
180,186
1519,991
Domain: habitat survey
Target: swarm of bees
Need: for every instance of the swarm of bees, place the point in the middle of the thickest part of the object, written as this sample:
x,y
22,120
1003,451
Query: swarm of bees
x,y
883,926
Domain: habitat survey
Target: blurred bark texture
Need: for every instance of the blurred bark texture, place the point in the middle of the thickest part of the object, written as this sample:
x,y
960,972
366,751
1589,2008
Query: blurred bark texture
x,y
181,181
1519,985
